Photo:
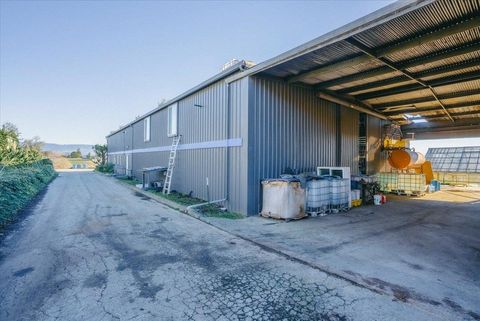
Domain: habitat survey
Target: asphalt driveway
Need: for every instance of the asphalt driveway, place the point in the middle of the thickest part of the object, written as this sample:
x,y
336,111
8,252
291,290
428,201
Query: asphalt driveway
x,y
92,249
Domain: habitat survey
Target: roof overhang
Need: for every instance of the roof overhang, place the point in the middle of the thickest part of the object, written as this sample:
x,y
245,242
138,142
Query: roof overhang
x,y
409,60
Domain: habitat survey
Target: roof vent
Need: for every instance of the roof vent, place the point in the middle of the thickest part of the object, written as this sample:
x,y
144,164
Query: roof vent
x,y
230,63
246,64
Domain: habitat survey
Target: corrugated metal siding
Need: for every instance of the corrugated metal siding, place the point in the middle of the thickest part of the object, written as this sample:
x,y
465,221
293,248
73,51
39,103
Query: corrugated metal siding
x,y
120,142
349,120
195,124
115,142
376,159
238,158
291,127
210,122
281,126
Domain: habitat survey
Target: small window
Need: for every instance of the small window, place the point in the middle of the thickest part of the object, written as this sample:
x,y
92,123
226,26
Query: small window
x,y
146,129
172,120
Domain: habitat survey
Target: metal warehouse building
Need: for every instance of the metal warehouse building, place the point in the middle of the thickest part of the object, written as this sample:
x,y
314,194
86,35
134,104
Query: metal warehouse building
x,y
321,104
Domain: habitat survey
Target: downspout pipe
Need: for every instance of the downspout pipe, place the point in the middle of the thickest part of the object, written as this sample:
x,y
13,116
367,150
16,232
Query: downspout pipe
x,y
227,149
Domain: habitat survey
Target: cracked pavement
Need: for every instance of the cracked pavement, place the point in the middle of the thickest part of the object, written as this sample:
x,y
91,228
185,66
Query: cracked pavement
x,y
91,249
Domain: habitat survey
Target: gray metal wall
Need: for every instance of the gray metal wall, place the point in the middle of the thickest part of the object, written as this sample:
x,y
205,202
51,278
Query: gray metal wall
x,y
120,142
290,127
238,158
217,119
376,159
281,126
349,157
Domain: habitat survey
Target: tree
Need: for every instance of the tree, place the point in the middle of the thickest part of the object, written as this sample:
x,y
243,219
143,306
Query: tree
x,y
76,154
33,144
14,153
100,151
9,137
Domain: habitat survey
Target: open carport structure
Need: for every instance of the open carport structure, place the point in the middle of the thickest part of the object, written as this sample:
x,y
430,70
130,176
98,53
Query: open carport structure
x,y
416,63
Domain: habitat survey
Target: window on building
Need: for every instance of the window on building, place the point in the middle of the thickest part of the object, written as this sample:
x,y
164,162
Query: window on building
x,y
146,129
172,120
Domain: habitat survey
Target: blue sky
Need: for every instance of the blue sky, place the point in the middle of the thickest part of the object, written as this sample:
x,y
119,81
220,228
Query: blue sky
x,y
72,71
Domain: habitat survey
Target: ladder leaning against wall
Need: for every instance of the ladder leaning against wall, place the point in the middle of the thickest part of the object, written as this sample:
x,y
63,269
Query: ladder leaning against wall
x,y
171,165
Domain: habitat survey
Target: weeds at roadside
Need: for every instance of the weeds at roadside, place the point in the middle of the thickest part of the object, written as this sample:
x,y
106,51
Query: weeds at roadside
x,y
209,210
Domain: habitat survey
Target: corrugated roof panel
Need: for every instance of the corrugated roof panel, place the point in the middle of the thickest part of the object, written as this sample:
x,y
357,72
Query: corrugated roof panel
x,y
336,52
434,46
401,83
463,99
408,25
404,96
452,73
458,87
443,62
344,72
366,80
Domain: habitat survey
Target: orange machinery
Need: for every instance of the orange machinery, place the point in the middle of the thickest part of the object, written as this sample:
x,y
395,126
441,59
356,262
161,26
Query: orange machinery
x,y
406,159
401,157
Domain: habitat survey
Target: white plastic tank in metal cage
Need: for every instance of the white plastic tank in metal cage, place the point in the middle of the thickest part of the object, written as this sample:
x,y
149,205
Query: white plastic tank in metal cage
x,y
339,193
318,195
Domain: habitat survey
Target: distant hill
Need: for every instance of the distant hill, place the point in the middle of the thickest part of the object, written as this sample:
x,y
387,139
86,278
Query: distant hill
x,y
67,148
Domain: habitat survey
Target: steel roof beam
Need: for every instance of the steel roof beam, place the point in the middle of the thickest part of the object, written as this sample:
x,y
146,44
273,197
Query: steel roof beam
x,y
433,57
388,63
475,114
463,113
350,103
444,125
473,75
413,110
442,130
413,101
427,36
422,74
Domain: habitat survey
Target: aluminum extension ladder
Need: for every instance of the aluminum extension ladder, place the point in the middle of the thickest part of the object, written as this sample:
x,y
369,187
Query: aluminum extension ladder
x,y
171,165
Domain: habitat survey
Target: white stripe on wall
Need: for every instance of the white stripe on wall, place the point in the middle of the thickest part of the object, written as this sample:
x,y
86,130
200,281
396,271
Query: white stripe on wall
x,y
234,142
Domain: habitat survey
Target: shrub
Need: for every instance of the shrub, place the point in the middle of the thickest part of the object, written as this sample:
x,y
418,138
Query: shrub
x,y
21,183
105,168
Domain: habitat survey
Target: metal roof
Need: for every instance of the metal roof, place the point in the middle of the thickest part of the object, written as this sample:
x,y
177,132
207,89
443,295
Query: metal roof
x,y
455,159
411,59
241,65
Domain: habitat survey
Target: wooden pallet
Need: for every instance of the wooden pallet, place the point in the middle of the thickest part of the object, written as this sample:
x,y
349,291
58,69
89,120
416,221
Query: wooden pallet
x,y
269,215
409,193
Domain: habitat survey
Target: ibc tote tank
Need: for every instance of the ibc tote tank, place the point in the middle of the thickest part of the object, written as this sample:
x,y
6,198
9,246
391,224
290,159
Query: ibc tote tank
x,y
318,193
404,158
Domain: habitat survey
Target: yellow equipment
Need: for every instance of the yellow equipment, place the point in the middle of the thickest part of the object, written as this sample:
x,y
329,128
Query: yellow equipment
x,y
401,157
389,144
410,160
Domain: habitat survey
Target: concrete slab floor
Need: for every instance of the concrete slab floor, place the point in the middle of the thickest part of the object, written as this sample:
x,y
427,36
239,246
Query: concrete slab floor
x,y
423,250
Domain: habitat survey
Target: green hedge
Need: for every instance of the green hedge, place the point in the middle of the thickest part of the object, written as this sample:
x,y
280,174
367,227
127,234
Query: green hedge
x,y
20,184
105,168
